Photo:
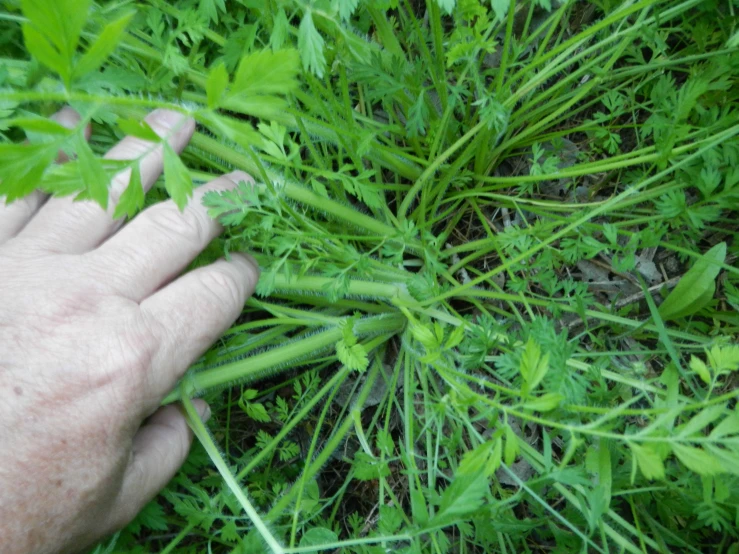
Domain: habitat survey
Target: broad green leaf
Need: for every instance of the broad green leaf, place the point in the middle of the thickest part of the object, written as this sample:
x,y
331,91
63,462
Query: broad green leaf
x,y
103,47
697,460
319,536
310,45
132,199
52,32
93,175
696,287
177,178
216,85
266,72
648,461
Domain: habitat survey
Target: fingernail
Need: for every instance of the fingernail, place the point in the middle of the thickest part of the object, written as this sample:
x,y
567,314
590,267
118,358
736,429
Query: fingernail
x,y
237,177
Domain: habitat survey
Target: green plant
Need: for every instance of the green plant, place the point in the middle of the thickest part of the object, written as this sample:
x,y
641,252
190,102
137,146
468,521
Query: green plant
x,y
467,214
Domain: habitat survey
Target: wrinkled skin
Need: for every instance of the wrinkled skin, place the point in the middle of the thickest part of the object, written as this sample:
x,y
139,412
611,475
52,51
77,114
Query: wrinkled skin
x,y
96,328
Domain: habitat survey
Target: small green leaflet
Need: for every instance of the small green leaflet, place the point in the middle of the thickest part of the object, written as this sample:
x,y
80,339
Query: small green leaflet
x,y
210,9
93,175
138,129
500,7
349,352
511,446
447,6
346,8
353,357
648,461
21,167
699,367
132,199
310,44
545,402
103,47
696,287
177,178
533,366
280,30
319,537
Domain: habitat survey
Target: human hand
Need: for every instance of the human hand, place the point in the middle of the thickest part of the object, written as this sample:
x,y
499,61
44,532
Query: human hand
x,y
95,329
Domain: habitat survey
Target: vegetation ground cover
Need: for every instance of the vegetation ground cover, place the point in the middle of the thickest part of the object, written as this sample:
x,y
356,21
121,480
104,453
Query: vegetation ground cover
x,y
497,310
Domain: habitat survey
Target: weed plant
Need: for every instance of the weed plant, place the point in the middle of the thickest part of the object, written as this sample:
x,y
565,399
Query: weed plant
x,y
497,310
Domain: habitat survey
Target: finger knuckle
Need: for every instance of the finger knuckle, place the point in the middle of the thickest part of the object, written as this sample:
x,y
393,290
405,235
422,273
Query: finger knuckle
x,y
178,225
223,286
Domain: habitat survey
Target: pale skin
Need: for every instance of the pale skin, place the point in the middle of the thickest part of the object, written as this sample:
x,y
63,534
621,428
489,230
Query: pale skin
x,y
97,324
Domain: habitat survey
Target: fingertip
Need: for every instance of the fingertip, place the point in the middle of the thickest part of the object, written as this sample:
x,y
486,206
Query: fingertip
x,y
201,406
67,117
237,177
250,267
164,122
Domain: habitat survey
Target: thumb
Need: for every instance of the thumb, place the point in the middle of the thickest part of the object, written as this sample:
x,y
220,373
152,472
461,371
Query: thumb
x,y
159,449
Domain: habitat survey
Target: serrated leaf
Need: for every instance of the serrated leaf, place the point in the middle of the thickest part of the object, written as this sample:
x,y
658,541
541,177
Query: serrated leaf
x,y
696,286
257,412
310,44
500,7
346,8
266,72
447,6
465,494
103,47
177,178
280,29
648,461
93,175
533,366
354,357
52,32
511,446
700,368
697,460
